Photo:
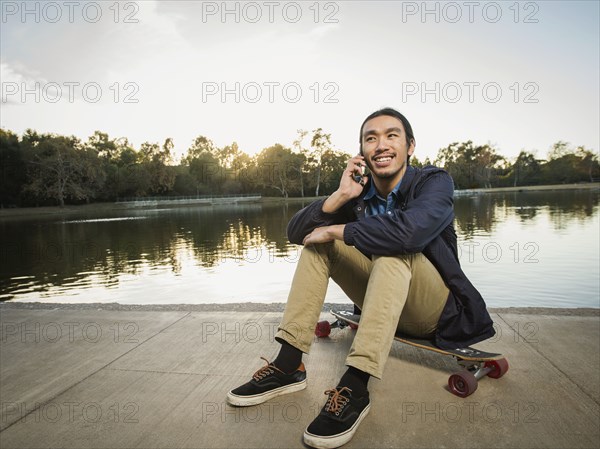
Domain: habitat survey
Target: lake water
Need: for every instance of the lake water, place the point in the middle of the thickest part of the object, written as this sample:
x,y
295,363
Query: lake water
x,y
531,249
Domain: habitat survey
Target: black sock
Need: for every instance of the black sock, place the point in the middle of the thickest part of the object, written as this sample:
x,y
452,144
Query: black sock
x,y
356,380
289,358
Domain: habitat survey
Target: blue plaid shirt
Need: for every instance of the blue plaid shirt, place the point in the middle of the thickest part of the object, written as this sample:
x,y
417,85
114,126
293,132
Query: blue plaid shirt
x,y
376,205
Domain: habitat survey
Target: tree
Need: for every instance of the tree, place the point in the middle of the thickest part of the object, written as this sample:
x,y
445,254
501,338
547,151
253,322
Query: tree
x,y
92,174
107,152
119,170
526,169
103,145
417,163
228,159
303,153
60,167
154,160
277,167
245,172
567,164
203,165
184,182
13,168
319,143
470,166
559,150
333,166
227,155
487,163
200,146
589,166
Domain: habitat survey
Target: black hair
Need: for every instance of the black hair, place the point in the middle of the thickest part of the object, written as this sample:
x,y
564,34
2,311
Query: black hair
x,y
410,137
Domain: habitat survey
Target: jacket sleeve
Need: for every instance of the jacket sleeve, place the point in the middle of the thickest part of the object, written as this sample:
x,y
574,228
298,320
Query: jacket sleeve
x,y
311,217
410,230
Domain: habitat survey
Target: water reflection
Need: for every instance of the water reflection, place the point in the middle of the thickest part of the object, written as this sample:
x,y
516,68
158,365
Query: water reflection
x,y
240,253
40,254
481,213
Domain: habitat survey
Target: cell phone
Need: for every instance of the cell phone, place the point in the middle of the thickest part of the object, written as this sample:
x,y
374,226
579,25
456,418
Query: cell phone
x,y
359,178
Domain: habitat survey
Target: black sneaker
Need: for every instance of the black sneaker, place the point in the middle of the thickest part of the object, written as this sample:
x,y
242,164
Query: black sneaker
x,y
267,383
338,420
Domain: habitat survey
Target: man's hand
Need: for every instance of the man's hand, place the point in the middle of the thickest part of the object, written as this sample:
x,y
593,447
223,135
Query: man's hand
x,y
348,188
324,234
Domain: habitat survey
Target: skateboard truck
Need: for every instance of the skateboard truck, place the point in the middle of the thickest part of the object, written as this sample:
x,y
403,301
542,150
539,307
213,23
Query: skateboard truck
x,y
464,383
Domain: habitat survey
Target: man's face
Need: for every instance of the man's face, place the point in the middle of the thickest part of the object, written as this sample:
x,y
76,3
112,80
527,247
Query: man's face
x,y
384,147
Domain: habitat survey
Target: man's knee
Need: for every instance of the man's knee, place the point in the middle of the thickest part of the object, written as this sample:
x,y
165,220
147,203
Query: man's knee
x,y
399,259
323,250
404,259
331,250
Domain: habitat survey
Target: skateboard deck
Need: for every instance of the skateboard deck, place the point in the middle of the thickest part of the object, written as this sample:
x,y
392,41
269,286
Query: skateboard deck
x,y
476,364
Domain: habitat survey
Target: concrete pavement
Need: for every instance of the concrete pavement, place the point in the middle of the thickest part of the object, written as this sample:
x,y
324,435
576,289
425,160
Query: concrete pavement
x,y
95,378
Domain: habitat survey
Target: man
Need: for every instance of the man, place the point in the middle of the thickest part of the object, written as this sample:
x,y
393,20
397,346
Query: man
x,y
388,241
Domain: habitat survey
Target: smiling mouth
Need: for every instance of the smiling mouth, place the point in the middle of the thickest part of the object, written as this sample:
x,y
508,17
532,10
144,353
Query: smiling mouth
x,y
382,159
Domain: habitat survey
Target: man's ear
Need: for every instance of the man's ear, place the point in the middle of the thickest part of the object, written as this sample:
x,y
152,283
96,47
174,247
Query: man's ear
x,y
411,148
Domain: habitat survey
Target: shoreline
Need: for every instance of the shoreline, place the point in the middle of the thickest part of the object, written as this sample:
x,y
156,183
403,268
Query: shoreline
x,y
550,187
262,307
72,209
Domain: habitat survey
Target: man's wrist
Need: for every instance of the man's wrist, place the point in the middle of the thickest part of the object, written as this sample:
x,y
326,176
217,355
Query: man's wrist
x,y
336,232
334,202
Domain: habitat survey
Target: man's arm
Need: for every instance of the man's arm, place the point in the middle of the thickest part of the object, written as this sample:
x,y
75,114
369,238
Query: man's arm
x,y
408,231
328,212
310,218
325,234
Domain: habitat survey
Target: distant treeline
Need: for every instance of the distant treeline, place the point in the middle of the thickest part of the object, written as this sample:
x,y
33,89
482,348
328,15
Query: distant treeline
x,y
50,169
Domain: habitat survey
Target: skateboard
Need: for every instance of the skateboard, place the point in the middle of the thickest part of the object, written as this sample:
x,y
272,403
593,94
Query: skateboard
x,y
476,364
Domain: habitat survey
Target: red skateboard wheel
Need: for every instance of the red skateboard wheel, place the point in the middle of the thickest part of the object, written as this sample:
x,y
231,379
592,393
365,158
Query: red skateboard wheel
x,y
323,329
499,368
462,384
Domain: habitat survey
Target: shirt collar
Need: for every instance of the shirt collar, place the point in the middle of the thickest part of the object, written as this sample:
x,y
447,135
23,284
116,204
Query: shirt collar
x,y
373,191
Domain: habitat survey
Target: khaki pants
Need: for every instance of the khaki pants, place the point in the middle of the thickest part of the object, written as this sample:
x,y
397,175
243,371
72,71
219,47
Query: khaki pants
x,y
401,292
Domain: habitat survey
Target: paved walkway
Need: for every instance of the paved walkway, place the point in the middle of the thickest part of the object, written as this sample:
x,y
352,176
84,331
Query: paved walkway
x,y
84,378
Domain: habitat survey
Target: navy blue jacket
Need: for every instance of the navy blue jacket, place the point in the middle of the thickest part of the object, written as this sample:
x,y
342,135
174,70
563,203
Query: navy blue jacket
x,y
422,222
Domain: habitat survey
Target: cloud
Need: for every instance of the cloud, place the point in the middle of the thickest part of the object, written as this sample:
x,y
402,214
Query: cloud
x,y
169,51
17,80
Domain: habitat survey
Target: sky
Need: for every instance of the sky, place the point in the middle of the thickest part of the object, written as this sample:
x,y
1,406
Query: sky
x,y
516,75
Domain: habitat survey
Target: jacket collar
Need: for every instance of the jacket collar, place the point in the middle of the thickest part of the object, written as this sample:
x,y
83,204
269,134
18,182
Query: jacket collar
x,y
372,191
407,179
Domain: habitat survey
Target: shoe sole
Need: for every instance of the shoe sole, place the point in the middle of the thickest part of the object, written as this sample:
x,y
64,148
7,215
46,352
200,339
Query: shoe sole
x,y
245,401
333,441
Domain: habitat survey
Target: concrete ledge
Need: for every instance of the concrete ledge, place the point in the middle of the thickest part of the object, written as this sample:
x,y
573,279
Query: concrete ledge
x,y
79,377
